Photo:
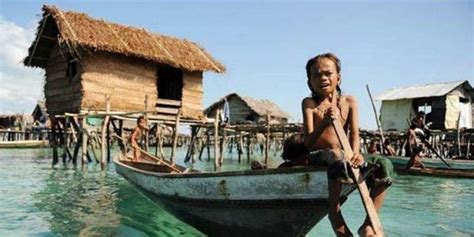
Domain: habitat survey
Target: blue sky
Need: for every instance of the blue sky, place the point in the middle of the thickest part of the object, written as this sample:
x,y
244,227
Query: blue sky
x,y
265,45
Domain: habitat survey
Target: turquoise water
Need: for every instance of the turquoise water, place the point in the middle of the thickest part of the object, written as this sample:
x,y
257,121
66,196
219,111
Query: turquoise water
x,y
38,200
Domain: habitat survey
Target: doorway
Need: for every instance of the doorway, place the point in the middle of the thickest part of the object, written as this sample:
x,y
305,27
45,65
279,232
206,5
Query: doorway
x,y
170,83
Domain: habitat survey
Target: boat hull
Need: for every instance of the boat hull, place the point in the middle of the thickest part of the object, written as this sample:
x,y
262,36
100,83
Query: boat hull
x,y
452,173
277,202
400,162
22,144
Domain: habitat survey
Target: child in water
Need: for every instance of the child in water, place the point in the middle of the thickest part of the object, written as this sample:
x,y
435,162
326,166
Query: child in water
x,y
320,138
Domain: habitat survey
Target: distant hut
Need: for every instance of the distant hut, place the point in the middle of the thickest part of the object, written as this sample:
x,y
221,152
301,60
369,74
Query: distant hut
x,y
86,59
447,105
243,109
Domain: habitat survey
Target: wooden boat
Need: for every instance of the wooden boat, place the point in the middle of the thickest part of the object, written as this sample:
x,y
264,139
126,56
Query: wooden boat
x,y
453,173
23,144
400,162
271,202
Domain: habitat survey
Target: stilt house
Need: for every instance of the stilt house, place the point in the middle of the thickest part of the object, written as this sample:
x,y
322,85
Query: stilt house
x,y
243,109
447,105
86,59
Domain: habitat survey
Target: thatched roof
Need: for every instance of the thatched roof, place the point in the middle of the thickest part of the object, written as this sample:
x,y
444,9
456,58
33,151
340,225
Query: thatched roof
x,y
260,106
78,30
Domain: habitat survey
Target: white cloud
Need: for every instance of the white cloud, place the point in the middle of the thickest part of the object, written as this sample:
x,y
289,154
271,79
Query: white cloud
x,y
20,86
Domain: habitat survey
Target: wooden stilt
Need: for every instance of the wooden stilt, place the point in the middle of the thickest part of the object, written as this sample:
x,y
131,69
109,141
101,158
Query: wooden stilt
x,y
162,153
216,140
75,126
66,138
175,137
239,147
223,145
208,144
63,134
193,144
119,131
53,140
203,145
84,141
108,142
267,139
190,145
147,137
157,139
103,133
248,146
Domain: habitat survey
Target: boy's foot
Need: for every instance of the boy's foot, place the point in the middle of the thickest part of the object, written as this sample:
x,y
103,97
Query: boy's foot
x,y
365,231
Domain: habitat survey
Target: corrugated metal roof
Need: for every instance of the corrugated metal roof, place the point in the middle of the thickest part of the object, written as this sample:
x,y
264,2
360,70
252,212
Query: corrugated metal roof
x,y
427,90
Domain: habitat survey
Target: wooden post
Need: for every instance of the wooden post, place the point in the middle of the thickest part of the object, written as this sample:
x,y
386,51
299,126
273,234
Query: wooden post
x,y
267,138
157,139
65,137
195,131
162,153
203,145
84,141
376,119
108,141
239,147
223,145
124,148
175,137
190,145
208,144
216,140
147,137
75,126
248,145
53,140
103,132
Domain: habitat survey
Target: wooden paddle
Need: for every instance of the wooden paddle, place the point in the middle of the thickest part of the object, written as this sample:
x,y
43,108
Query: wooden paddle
x,y
159,160
427,144
359,179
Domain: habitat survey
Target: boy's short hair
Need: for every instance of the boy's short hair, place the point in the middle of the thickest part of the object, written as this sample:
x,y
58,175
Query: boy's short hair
x,y
140,118
294,147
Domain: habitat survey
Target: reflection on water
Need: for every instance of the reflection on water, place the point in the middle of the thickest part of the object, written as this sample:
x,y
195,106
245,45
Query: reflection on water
x,y
37,200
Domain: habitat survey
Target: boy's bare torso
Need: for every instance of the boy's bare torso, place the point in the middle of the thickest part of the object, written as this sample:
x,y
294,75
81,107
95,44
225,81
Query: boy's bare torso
x,y
328,138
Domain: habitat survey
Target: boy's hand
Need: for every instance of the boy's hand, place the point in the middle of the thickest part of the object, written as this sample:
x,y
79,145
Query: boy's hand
x,y
357,160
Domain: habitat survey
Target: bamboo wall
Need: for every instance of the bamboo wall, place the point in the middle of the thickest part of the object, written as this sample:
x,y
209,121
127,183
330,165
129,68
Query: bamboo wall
x,y
125,80
192,95
239,111
61,94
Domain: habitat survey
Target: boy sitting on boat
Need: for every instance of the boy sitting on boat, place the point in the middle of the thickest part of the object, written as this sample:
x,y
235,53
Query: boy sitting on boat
x,y
320,138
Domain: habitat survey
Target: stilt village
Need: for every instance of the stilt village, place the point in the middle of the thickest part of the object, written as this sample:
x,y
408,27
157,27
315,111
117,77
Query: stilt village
x,y
102,78
97,83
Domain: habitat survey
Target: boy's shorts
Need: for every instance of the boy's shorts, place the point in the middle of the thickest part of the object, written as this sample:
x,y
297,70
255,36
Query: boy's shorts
x,y
338,169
